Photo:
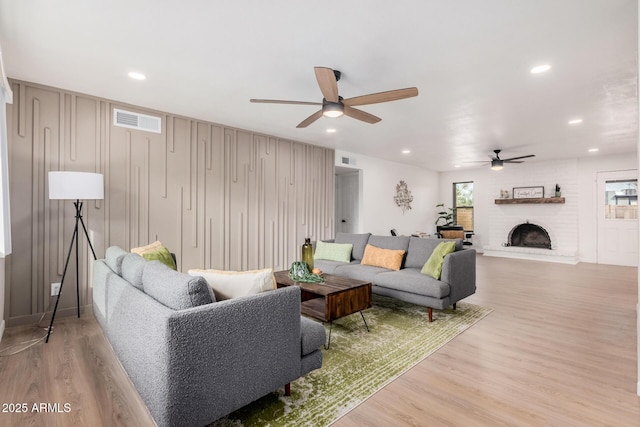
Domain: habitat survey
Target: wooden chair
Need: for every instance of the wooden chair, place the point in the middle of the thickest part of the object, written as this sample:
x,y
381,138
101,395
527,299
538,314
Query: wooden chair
x,y
450,232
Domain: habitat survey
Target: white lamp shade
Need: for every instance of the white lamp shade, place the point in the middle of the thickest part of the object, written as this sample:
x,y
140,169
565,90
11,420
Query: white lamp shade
x,y
76,186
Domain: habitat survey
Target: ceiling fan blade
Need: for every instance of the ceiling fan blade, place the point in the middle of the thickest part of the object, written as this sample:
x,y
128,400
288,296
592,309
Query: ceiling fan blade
x,y
354,113
520,157
312,118
513,161
328,83
277,101
375,98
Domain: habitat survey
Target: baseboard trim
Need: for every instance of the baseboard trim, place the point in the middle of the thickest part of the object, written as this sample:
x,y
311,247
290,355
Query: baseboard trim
x,y
638,393
32,319
1,329
532,255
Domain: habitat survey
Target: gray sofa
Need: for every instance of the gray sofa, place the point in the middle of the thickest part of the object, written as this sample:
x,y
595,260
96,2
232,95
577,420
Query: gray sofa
x,y
193,360
458,278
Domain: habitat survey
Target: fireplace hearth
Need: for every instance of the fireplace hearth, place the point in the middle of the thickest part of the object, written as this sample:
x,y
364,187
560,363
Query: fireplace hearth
x,y
529,236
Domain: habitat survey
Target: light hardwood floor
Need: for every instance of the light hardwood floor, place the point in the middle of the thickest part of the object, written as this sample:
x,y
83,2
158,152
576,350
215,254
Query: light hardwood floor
x,y
559,349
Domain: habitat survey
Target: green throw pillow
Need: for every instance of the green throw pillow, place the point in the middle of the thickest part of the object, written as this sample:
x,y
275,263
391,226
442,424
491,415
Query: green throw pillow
x,y
163,255
433,266
156,251
333,251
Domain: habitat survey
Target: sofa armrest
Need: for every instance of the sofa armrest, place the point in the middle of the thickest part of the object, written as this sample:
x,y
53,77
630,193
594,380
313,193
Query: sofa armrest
x,y
459,271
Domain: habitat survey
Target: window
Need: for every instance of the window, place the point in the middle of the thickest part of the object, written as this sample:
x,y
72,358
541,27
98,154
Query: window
x,y
463,204
621,199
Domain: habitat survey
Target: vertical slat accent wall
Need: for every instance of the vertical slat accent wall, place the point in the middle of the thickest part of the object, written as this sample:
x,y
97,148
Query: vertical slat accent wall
x,y
217,196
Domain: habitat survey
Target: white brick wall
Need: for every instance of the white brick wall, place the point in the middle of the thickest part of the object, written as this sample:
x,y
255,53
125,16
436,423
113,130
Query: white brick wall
x,y
560,220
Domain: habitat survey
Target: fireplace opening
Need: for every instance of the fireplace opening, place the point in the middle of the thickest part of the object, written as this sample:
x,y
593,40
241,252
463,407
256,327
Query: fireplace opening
x,y
529,236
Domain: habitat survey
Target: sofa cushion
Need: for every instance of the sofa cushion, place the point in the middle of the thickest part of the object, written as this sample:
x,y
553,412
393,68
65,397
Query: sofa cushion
x,y
132,267
113,257
360,272
420,249
174,289
390,242
433,266
235,284
359,241
387,258
329,267
333,251
312,335
156,251
412,281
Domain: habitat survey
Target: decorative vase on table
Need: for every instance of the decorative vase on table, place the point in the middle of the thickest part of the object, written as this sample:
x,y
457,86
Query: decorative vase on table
x,y
307,253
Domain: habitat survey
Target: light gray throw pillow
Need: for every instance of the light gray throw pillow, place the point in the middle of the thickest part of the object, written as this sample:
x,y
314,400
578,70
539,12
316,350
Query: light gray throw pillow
x,y
174,289
132,267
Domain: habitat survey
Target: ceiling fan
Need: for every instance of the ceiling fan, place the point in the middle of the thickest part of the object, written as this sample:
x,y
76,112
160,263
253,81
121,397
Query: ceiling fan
x,y
333,105
497,163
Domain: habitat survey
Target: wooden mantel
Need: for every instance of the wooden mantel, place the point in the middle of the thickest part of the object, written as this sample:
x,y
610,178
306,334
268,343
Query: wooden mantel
x,y
539,200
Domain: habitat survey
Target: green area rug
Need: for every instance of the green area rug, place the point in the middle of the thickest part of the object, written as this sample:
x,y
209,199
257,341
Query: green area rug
x,y
359,363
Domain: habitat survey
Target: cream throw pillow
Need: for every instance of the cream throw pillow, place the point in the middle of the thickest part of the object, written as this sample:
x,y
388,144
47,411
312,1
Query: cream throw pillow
x,y
234,284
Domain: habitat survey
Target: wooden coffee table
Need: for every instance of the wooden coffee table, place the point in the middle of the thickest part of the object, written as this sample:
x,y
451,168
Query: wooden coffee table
x,y
335,298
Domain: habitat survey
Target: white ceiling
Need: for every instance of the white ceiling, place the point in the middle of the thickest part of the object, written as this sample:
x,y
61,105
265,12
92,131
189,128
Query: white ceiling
x,y
470,60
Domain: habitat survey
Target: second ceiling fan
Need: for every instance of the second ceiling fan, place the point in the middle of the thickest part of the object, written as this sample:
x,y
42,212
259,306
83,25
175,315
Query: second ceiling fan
x,y
497,163
333,105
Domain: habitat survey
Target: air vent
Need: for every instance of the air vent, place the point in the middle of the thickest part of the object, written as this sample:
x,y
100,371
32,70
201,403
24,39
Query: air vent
x,y
348,161
128,119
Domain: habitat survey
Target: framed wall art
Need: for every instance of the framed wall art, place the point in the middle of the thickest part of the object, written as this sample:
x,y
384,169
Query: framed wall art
x,y
528,192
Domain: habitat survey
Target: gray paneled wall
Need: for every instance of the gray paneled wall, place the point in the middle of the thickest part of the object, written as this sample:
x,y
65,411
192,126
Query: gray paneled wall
x,y
216,196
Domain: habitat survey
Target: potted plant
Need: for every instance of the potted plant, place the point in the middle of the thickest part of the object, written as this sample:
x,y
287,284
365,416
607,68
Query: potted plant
x,y
445,216
558,194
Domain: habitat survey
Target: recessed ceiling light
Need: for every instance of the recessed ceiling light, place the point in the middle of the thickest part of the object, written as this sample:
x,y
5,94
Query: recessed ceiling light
x,y
406,151
575,121
137,76
457,166
540,69
331,130
594,150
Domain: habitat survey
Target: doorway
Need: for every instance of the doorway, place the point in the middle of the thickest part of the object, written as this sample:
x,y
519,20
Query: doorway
x,y
347,199
617,212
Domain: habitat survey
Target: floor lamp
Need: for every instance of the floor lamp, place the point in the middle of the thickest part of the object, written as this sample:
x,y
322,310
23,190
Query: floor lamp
x,y
74,186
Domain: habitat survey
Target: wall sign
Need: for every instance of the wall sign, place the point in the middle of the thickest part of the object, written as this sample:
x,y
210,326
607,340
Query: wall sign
x,y
528,192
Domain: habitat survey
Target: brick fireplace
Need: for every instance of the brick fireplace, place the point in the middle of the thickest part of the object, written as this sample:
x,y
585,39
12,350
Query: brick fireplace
x,y
542,231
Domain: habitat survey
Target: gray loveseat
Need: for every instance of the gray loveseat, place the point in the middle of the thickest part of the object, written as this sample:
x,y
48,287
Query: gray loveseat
x,y
194,365
458,279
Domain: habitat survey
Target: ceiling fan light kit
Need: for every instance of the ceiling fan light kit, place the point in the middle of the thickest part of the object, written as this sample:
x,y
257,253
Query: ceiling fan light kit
x,y
332,109
333,105
497,164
